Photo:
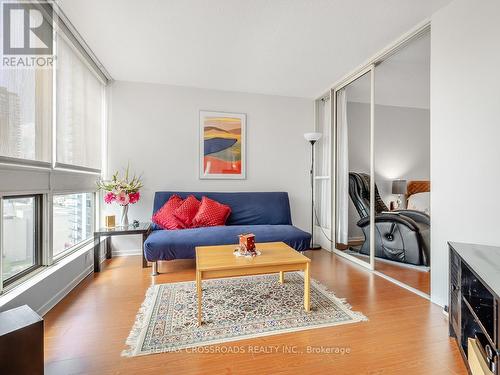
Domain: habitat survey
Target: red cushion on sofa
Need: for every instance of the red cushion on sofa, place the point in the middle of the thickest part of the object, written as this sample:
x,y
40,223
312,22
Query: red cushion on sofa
x,y
211,213
187,211
164,216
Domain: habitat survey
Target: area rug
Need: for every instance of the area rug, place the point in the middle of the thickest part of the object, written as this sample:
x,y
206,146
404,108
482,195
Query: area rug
x,y
233,309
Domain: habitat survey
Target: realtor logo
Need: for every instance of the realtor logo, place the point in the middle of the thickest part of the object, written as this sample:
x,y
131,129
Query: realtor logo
x,y
26,29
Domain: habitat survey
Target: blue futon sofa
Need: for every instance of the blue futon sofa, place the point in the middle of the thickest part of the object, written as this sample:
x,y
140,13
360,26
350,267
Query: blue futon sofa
x,y
266,214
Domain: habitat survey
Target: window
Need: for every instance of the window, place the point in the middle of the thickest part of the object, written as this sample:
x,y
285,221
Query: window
x,y
80,97
51,118
21,236
73,220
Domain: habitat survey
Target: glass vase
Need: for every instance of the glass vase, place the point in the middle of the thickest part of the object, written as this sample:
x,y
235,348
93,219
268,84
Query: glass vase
x,y
124,216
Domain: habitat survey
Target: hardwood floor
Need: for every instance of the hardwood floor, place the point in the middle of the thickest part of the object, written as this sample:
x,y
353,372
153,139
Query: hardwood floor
x,y
417,279
405,334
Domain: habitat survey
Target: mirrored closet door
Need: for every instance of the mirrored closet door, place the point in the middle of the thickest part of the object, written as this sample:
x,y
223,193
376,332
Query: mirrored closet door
x,y
353,168
402,164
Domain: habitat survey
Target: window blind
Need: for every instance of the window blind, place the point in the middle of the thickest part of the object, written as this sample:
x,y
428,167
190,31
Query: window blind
x,y
80,108
25,110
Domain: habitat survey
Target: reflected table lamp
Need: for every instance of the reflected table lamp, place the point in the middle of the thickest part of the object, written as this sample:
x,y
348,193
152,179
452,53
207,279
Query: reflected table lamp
x,y
399,188
312,138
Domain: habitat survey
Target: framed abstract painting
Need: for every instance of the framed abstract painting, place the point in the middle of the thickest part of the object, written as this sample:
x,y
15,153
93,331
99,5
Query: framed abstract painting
x,y
222,145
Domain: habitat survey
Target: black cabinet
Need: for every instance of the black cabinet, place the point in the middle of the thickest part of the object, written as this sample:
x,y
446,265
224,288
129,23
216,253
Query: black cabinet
x,y
21,342
455,296
473,304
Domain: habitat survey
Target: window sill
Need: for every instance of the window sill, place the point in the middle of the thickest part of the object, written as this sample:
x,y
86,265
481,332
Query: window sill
x,y
70,251
31,280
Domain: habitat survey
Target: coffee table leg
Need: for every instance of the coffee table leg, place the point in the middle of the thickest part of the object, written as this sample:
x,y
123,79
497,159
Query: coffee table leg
x,y
198,291
282,277
307,283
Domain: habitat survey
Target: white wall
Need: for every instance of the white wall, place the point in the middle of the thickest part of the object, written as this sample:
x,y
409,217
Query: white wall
x,y
465,131
156,128
402,146
358,127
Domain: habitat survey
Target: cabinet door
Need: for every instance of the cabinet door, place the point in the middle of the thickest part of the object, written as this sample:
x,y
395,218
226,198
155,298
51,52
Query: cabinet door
x,y
455,293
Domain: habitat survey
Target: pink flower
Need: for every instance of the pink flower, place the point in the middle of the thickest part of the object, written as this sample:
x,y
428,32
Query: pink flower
x,y
109,197
122,198
134,197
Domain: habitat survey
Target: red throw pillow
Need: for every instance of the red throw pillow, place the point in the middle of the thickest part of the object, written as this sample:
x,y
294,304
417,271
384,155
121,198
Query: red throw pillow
x,y
186,212
211,213
164,216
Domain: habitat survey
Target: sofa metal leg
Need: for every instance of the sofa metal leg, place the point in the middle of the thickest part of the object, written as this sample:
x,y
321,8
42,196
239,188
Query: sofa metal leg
x,y
154,271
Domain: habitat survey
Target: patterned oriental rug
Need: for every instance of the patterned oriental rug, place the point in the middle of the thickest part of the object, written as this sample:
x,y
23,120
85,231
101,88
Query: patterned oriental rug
x,y
233,309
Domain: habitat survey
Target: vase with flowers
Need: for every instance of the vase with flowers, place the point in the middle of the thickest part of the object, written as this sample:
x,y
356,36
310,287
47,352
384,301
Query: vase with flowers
x,y
122,190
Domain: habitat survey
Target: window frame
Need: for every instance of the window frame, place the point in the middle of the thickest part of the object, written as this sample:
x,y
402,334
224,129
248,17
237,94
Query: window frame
x,y
38,240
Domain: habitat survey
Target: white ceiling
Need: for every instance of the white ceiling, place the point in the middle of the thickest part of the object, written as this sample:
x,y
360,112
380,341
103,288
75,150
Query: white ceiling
x,y
282,47
402,80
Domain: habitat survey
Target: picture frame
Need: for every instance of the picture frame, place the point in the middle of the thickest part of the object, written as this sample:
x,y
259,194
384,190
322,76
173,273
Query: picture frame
x,y
222,145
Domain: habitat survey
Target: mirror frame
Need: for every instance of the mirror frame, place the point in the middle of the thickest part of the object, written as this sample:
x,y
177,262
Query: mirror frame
x,y
333,95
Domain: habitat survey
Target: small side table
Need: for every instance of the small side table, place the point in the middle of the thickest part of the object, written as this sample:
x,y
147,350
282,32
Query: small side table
x,y
142,228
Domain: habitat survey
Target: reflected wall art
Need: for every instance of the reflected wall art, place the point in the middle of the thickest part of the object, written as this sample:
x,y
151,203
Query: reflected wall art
x,y
222,145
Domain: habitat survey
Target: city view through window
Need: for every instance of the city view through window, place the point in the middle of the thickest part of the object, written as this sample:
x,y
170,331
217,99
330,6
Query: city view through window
x,y
73,219
19,242
72,224
24,114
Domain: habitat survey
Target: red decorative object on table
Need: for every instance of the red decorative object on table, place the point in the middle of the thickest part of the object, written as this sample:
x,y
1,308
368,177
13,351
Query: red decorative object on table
x,y
247,244
247,240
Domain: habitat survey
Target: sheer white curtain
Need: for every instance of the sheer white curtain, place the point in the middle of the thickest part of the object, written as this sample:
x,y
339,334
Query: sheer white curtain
x,y
323,155
79,109
342,191
25,108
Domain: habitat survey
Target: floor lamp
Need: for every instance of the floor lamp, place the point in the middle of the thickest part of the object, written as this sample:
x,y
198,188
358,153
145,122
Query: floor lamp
x,y
312,138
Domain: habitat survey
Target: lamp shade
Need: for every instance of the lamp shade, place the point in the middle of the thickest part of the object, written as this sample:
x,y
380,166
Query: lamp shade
x,y
312,137
399,187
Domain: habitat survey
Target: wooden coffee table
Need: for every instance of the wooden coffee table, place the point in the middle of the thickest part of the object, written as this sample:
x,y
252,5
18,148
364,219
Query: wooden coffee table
x,y
213,262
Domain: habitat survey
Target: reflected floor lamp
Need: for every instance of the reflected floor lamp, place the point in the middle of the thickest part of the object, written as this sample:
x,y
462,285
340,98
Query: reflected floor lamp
x,y
312,138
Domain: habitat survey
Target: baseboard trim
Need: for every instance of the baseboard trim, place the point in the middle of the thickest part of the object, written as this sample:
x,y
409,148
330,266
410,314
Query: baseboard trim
x,y
47,306
126,253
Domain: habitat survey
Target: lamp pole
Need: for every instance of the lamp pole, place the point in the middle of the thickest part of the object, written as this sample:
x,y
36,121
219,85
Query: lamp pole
x,y
312,138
